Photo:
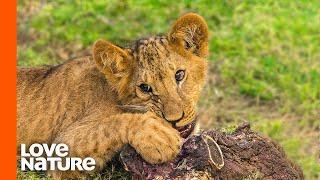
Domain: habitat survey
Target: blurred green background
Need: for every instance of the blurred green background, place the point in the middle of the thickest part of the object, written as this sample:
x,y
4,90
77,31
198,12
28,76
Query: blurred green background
x,y
264,58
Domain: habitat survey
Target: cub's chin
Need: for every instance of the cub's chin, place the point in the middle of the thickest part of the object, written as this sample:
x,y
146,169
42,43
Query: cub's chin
x,y
188,129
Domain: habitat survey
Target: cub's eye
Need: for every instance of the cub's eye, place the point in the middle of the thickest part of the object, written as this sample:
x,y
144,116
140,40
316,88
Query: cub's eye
x,y
145,88
179,75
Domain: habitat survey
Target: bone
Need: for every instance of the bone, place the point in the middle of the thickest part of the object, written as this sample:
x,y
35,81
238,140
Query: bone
x,y
212,154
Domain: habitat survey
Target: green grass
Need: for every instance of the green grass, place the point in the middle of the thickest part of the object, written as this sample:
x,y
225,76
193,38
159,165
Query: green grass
x,y
266,55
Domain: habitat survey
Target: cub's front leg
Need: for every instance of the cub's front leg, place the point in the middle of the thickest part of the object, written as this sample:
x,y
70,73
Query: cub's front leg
x,y
101,137
155,139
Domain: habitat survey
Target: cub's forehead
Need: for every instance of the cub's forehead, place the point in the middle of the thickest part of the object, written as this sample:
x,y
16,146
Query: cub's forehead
x,y
153,52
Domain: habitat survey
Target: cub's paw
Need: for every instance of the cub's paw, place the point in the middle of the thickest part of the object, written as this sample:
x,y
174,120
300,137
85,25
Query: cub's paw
x,y
156,140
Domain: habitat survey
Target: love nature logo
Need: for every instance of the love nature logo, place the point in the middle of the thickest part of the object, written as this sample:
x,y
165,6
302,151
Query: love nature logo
x,y
41,157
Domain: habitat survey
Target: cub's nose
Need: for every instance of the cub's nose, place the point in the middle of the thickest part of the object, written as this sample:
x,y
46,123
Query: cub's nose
x,y
173,117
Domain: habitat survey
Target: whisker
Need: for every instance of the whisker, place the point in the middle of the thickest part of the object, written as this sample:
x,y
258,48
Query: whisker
x,y
134,108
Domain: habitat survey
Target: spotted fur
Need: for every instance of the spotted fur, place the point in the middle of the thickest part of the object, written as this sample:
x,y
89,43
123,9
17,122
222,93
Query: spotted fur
x,y
95,104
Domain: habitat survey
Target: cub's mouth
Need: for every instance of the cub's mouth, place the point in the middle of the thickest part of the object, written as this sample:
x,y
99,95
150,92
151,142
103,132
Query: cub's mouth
x,y
187,129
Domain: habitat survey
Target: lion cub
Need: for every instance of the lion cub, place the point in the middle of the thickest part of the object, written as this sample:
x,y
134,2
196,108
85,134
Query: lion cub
x,y
145,96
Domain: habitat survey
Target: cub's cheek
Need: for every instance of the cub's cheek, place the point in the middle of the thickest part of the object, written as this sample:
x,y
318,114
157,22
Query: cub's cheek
x,y
142,96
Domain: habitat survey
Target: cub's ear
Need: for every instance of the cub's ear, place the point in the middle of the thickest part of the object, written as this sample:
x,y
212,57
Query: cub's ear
x,y
111,60
190,34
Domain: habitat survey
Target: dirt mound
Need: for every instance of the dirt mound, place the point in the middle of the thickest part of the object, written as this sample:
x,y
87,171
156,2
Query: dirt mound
x,y
246,155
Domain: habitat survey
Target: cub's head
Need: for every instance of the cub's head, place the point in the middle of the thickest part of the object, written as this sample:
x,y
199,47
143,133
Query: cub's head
x,y
163,74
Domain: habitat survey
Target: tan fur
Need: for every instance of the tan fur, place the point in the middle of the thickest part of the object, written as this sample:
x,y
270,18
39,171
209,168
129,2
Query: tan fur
x,y
94,104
